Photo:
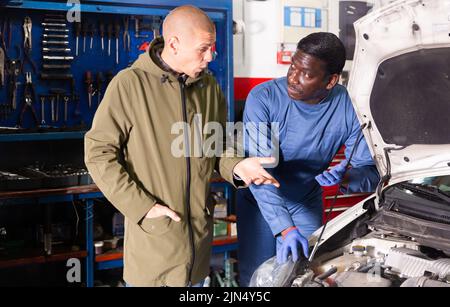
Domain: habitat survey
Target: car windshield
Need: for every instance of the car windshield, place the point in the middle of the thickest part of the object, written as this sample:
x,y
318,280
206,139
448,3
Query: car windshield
x,y
442,183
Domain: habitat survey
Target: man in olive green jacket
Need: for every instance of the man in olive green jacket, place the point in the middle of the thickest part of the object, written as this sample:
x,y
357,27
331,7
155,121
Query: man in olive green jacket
x,y
130,154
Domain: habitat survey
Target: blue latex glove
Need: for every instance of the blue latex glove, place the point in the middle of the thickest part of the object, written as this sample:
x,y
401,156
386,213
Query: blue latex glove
x,y
332,177
291,244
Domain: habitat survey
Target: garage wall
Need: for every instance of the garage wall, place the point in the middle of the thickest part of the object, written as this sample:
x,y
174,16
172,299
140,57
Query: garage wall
x,y
255,50
256,47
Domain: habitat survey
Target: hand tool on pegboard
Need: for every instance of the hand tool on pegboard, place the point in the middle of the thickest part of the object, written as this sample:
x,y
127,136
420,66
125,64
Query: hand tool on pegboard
x,y
55,25
101,29
99,82
156,24
109,77
109,33
66,101
13,72
52,105
29,96
56,30
27,43
77,31
138,27
84,31
116,36
57,92
6,29
54,43
89,87
2,38
92,31
76,100
57,58
42,99
57,50
2,67
56,76
126,35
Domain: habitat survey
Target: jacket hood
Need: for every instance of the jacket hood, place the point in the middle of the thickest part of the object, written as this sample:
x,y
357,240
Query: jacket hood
x,y
400,87
151,63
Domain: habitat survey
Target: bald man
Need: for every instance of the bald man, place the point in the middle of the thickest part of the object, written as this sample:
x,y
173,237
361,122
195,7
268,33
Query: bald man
x,y
133,154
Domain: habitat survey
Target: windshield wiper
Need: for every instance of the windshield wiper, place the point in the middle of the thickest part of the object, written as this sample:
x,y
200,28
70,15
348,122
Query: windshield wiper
x,y
425,190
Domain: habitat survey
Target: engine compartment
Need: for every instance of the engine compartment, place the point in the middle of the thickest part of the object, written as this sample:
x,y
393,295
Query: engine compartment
x,y
403,242
379,259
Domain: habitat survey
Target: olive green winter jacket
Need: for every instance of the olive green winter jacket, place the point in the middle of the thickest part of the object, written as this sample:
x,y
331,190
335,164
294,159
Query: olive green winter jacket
x,y
128,154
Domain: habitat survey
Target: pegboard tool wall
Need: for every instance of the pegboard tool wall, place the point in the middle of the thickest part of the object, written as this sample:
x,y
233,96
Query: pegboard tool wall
x,y
89,60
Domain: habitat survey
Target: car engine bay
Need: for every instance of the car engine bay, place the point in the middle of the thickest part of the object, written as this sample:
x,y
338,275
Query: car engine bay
x,y
406,243
379,259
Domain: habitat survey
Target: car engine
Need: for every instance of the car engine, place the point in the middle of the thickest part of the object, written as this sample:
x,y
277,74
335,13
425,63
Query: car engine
x,y
379,259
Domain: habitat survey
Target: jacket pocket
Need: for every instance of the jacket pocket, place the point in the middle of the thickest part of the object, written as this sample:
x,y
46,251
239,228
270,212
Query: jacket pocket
x,y
156,226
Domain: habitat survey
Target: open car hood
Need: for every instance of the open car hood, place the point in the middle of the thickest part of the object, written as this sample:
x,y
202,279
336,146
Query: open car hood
x,y
400,87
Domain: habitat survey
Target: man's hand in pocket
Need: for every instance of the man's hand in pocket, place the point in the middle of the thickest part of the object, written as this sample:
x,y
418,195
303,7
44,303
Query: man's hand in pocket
x,y
160,210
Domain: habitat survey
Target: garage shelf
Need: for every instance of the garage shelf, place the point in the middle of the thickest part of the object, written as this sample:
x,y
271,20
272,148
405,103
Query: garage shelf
x,y
44,136
114,258
87,193
36,257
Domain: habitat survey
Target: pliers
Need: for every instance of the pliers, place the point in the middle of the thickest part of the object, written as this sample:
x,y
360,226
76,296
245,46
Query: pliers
x,y
27,43
29,96
27,25
126,35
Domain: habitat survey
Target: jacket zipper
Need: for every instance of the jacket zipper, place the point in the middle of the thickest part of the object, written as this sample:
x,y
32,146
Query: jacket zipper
x,y
188,182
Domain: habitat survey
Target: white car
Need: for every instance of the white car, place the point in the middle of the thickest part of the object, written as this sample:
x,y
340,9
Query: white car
x,y
400,88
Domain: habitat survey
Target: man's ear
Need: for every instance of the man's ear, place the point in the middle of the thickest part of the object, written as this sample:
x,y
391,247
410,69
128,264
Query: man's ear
x,y
332,81
173,44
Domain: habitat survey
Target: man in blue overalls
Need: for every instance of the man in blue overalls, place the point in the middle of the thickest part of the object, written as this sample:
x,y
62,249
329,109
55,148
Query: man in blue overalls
x,y
315,117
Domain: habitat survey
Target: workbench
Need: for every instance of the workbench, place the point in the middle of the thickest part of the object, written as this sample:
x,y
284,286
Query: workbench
x,y
87,194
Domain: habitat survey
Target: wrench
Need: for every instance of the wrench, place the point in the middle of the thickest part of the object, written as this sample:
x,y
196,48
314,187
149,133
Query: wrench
x,y
42,110
56,36
56,49
66,100
55,42
61,58
52,102
45,24
56,30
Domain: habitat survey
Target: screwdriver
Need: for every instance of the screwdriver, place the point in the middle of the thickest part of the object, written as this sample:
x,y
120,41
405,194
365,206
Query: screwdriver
x,y
75,98
77,26
116,35
92,31
84,29
109,77
102,33
110,30
100,80
88,81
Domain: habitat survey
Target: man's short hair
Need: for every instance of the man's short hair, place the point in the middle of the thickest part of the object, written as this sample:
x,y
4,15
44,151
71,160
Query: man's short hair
x,y
327,47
